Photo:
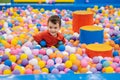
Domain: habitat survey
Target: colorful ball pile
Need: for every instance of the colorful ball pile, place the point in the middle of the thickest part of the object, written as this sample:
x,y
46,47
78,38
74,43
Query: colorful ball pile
x,y
17,56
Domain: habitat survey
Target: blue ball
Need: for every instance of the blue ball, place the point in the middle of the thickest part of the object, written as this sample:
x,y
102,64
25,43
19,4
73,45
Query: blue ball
x,y
70,72
51,68
117,41
43,43
8,62
18,12
10,25
102,61
115,53
38,25
61,47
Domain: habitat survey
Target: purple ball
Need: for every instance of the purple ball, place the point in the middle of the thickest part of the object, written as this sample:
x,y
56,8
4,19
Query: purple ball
x,y
65,59
60,68
4,57
45,57
99,66
96,60
74,68
5,67
24,62
94,70
36,67
55,71
30,56
16,72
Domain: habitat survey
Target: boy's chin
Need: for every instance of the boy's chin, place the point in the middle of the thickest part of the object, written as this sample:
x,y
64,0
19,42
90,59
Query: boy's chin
x,y
54,34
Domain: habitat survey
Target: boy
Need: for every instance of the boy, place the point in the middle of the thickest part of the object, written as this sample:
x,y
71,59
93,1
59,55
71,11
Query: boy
x,y
52,35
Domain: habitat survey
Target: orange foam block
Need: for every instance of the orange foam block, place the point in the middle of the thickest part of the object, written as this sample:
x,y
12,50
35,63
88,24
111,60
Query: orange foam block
x,y
103,50
81,18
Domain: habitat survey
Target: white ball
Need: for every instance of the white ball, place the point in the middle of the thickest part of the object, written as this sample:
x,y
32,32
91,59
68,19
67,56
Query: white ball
x,y
116,28
1,66
49,51
76,34
72,50
33,62
65,53
102,8
67,48
10,37
107,29
7,50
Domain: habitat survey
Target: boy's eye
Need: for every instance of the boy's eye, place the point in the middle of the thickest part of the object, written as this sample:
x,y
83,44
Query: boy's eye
x,y
55,27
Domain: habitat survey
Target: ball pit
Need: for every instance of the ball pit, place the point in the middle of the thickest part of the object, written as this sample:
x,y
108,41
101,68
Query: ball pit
x,y
31,58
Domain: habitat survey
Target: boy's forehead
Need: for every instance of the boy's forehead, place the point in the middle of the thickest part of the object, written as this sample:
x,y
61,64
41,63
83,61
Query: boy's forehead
x,y
50,23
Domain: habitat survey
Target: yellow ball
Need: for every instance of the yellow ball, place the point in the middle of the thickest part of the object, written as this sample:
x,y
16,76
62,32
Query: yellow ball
x,y
41,64
88,9
12,58
68,64
14,42
22,70
111,6
109,70
23,56
72,57
42,10
45,70
7,72
96,7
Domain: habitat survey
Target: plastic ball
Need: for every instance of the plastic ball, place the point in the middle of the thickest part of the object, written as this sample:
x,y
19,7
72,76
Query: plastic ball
x,y
13,58
58,60
36,72
28,71
95,60
16,72
61,47
117,69
49,51
41,64
42,10
42,51
84,63
109,70
43,43
4,57
55,71
68,64
45,70
33,61
99,66
45,58
50,62
8,62
106,64
94,70
115,53
10,25
23,56
24,62
7,72
74,68
37,47
35,52
61,67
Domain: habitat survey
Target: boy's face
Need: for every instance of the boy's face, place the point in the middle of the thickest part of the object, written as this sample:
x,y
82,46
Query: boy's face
x,y
53,28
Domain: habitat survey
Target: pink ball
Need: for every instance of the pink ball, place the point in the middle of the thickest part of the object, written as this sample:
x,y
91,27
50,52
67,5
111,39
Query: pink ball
x,y
62,72
42,51
66,70
13,66
28,71
50,62
117,69
116,59
84,63
58,60
113,65
1,72
14,52
35,51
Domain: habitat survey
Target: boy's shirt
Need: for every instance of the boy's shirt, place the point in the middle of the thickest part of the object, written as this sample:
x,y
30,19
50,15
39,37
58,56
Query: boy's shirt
x,y
50,40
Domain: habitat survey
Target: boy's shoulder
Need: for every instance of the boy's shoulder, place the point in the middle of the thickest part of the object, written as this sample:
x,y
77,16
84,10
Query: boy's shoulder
x,y
60,35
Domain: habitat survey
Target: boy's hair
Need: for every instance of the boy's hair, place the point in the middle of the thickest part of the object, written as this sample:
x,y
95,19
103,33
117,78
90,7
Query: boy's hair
x,y
54,19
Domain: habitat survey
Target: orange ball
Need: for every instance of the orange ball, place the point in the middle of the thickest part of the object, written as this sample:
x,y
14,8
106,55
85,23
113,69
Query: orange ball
x,y
71,41
59,55
79,51
112,43
19,61
77,63
83,70
53,55
29,66
36,72
83,45
116,47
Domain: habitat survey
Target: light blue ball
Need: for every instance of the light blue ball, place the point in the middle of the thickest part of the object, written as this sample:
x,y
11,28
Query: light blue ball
x,y
106,64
